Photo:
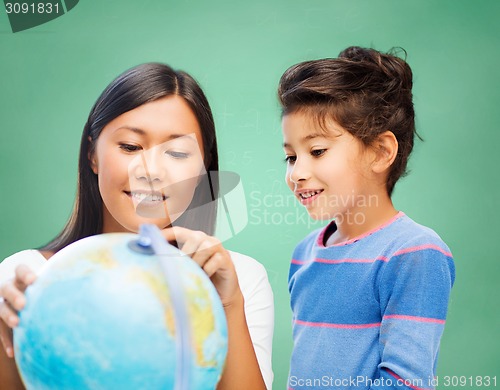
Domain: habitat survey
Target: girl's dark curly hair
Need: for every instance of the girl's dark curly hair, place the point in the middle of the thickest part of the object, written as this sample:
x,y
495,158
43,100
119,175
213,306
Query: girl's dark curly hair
x,y
365,91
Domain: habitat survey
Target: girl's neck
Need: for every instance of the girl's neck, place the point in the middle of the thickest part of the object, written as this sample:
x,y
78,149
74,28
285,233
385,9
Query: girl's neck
x,y
358,221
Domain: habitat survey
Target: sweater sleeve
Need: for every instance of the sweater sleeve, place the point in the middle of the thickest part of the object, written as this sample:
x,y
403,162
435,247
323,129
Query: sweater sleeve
x,y
413,291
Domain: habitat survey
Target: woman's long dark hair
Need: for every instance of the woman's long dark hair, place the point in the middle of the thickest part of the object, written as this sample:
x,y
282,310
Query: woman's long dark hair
x,y
135,87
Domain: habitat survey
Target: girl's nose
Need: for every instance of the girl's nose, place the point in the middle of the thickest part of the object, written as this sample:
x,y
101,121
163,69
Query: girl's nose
x,y
299,171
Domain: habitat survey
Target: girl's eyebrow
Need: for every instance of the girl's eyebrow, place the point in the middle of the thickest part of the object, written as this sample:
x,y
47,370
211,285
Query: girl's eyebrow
x,y
143,132
306,138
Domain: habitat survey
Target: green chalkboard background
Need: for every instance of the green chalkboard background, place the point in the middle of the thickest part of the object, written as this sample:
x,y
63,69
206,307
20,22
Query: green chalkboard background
x,y
50,76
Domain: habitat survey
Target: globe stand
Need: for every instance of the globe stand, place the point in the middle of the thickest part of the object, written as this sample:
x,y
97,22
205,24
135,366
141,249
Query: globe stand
x,y
152,242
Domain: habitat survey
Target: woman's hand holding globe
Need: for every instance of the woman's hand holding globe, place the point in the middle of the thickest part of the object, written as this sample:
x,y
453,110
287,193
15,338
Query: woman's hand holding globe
x,y
12,301
211,256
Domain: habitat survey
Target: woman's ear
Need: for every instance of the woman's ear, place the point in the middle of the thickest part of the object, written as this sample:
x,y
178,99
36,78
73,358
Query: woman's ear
x,y
386,149
92,157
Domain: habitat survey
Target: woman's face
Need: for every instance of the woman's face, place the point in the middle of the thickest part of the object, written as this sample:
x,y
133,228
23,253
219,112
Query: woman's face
x,y
148,162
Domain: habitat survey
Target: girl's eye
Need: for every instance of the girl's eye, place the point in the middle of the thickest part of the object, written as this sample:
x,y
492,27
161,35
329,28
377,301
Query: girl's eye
x,y
129,148
290,159
318,152
179,155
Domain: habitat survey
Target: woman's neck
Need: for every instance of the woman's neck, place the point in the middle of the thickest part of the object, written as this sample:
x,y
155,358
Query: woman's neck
x,y
47,254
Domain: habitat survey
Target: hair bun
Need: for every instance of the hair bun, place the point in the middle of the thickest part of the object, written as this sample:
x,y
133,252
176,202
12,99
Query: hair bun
x,y
391,66
355,53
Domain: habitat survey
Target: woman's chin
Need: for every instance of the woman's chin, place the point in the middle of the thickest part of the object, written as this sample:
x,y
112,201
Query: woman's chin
x,y
160,223
152,212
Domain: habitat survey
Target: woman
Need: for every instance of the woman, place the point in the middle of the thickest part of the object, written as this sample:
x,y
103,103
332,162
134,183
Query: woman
x,y
145,152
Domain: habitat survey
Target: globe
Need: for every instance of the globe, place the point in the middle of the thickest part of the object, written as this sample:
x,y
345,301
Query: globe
x,y
101,316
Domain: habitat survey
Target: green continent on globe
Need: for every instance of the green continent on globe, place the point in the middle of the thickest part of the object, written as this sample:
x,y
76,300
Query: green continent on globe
x,y
156,284
203,323
103,258
199,308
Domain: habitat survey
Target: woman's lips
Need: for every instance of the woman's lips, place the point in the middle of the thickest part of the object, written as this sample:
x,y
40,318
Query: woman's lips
x,y
147,198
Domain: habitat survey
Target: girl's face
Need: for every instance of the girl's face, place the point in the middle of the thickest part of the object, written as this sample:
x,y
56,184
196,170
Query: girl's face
x,y
148,162
329,174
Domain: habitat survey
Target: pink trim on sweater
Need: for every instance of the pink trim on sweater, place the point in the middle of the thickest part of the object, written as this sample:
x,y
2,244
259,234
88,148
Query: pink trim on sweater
x,y
340,261
414,318
392,373
328,261
319,241
421,248
337,326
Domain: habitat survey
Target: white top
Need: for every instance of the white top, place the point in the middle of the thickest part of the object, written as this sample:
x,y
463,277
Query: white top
x,y
254,285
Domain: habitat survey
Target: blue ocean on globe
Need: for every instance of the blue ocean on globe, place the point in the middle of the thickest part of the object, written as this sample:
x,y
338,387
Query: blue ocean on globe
x,y
100,316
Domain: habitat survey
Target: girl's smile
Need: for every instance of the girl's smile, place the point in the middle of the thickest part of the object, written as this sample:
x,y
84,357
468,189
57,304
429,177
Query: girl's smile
x,y
307,196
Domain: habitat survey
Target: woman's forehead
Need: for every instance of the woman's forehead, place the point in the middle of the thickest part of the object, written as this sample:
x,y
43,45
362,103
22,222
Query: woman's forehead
x,y
163,120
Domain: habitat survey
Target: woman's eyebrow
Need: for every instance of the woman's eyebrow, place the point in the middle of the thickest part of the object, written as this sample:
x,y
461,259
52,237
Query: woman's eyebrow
x,y
134,129
142,132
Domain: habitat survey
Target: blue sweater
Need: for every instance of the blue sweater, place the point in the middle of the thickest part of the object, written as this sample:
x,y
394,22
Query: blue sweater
x,y
369,313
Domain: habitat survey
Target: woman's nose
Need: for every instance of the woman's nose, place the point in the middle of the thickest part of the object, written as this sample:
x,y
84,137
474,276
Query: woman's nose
x,y
150,166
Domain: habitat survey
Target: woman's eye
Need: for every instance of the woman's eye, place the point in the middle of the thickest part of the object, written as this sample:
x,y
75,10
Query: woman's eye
x,y
290,159
318,152
179,155
129,148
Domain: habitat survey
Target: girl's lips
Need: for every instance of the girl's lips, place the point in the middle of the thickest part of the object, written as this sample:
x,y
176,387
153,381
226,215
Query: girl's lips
x,y
309,200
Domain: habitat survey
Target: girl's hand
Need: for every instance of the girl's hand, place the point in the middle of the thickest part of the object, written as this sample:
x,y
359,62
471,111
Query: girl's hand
x,y
209,253
12,300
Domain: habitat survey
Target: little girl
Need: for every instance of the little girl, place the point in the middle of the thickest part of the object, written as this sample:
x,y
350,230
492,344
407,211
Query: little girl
x,y
145,151
369,292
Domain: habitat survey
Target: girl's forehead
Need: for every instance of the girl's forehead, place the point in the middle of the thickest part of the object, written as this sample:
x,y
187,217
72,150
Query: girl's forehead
x,y
304,127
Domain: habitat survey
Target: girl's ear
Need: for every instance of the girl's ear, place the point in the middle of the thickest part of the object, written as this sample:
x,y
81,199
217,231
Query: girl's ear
x,y
92,157
386,149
